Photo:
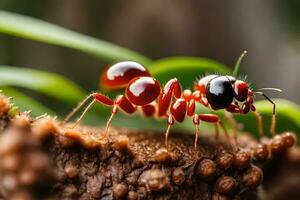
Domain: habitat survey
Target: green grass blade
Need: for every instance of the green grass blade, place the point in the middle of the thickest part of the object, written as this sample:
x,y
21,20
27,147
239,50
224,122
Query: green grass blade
x,y
186,69
236,69
25,102
44,82
34,29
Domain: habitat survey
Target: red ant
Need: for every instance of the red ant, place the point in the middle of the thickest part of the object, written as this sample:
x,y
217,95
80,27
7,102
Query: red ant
x,y
170,102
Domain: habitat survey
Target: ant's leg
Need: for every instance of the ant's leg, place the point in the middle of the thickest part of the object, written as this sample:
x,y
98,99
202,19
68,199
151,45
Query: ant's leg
x,y
216,131
97,98
84,112
173,86
273,119
234,124
165,98
259,123
77,108
212,118
196,122
273,125
170,122
224,130
123,103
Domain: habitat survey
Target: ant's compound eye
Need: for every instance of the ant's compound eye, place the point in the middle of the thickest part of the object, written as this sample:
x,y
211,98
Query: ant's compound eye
x,y
219,92
241,90
142,90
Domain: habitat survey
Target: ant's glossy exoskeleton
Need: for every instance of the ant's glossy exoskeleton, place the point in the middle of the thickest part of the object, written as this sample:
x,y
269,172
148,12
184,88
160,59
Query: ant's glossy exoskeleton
x,y
144,92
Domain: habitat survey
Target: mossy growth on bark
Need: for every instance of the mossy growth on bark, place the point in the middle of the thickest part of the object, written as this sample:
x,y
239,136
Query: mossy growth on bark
x,y
41,158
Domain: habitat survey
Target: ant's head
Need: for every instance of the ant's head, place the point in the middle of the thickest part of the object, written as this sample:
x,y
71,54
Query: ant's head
x,y
225,92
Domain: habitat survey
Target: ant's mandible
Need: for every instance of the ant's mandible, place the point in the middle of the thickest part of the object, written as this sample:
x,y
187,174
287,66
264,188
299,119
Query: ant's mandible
x,y
170,102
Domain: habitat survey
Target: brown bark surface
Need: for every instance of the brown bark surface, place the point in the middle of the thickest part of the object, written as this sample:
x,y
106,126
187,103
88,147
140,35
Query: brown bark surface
x,y
43,159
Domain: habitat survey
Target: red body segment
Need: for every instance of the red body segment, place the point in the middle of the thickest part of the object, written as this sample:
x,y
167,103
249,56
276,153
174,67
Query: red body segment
x,y
171,88
178,109
240,90
187,95
120,74
148,110
142,90
125,104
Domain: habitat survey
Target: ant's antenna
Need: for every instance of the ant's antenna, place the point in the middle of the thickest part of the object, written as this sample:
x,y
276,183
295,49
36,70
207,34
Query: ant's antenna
x,y
238,63
269,89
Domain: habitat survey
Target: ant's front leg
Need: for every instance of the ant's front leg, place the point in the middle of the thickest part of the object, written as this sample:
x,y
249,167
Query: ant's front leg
x,y
234,124
259,123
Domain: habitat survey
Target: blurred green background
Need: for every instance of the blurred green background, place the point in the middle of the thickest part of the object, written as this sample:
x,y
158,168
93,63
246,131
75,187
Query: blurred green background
x,y
219,30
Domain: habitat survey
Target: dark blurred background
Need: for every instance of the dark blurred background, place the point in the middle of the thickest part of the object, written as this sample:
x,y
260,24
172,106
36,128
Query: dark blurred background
x,y
220,30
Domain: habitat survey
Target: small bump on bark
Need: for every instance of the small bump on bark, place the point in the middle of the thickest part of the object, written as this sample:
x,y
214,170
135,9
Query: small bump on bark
x,y
253,177
242,159
225,184
206,169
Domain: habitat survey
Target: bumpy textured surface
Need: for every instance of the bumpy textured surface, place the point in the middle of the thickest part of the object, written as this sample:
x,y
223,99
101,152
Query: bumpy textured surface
x,y
43,159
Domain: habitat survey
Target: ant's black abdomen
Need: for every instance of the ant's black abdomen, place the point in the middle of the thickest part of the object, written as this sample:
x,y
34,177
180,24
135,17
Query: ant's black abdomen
x,y
219,92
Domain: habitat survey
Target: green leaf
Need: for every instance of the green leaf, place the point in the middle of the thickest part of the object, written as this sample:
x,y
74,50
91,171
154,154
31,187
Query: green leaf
x,y
25,102
44,82
34,29
185,69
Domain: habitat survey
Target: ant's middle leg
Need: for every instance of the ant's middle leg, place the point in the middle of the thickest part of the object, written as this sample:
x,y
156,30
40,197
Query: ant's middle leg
x,y
213,118
234,124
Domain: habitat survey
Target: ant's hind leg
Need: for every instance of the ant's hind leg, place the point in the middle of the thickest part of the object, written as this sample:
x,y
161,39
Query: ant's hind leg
x,y
84,112
97,97
170,122
77,108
